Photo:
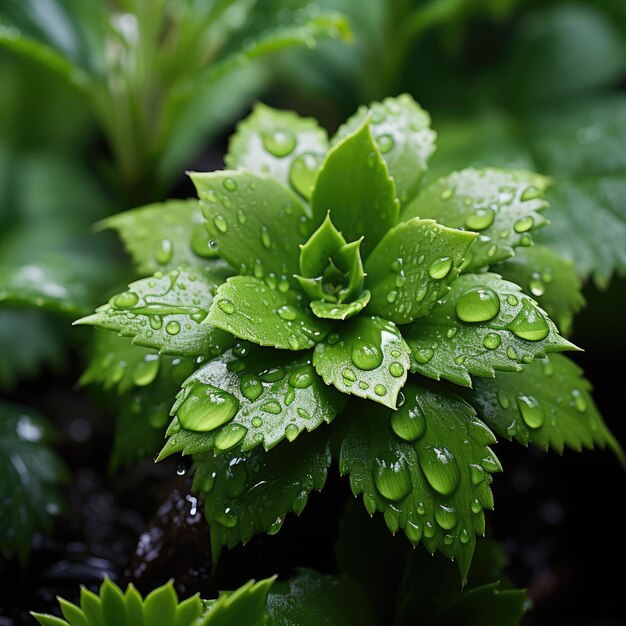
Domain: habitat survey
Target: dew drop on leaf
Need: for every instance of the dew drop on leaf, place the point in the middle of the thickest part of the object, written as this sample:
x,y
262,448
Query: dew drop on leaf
x,y
440,268
385,143
291,432
125,300
523,224
446,516
408,423
301,379
531,410
366,356
227,306
302,173
391,476
529,324
480,219
579,401
172,328
250,387
491,341
220,223
280,143
230,184
156,322
163,251
206,407
266,239
380,390
440,468
287,312
230,436
478,304
145,372
396,369
423,355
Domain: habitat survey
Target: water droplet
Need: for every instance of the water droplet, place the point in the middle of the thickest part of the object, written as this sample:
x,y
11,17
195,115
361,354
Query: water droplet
x,y
478,474
440,468
480,219
429,530
303,171
199,316
227,306
396,369
301,379
220,223
423,355
145,371
287,312
510,352
266,239
392,476
491,341
201,242
529,323
408,423
579,401
291,432
537,288
156,322
125,300
526,241
280,143
163,251
548,368
181,470
363,385
451,332
446,516
241,217
257,422
206,407
531,193
477,304
227,518
446,194
440,268
380,390
523,224
272,407
392,296
512,300
531,410
172,328
385,143
503,399
366,356
250,387
230,184
475,506
230,436
272,375
293,342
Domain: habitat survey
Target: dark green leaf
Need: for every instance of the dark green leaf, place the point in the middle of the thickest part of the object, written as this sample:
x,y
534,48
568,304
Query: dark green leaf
x,y
252,493
261,398
411,268
280,144
365,357
426,467
354,185
252,309
168,312
163,236
311,599
401,130
547,404
255,222
29,476
502,205
549,278
484,324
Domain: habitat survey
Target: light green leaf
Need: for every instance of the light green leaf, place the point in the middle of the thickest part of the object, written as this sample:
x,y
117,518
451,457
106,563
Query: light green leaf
x,y
30,473
279,144
502,205
250,397
256,223
550,279
548,404
253,493
366,357
159,607
168,312
340,311
246,605
425,466
401,130
113,608
163,236
354,185
484,324
329,600
256,311
411,268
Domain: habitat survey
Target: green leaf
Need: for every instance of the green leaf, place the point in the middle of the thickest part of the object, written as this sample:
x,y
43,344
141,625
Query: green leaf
x,y
30,473
354,185
256,311
114,608
549,278
366,357
340,311
425,466
411,268
279,144
116,362
163,236
401,130
502,205
256,223
252,493
329,600
168,312
484,324
246,605
261,397
547,404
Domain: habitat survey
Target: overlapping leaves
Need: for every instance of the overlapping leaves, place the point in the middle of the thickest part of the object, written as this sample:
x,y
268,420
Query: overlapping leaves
x,y
353,281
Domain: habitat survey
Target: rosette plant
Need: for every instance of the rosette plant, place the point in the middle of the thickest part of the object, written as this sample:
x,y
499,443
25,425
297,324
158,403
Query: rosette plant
x,y
340,306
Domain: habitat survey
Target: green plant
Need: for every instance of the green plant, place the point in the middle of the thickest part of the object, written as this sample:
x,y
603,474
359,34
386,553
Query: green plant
x,y
159,77
333,302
